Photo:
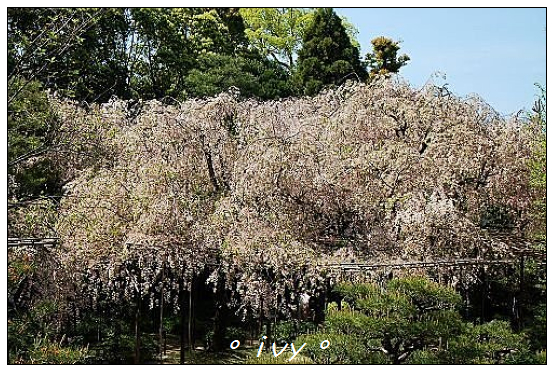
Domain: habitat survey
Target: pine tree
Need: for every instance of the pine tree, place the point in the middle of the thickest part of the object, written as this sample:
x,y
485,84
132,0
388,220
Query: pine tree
x,y
327,56
384,59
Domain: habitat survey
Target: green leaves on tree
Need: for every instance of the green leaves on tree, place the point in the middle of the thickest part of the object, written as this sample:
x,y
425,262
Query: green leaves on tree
x,y
327,56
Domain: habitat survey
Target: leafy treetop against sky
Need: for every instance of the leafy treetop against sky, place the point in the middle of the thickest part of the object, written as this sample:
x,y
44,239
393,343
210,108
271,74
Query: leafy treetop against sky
x,y
497,53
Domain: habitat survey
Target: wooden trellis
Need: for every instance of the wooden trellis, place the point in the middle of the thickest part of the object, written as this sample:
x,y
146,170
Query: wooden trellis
x,y
463,262
499,254
32,243
513,256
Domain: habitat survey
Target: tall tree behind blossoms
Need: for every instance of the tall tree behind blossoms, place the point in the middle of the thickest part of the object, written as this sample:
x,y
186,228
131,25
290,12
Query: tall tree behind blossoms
x,y
384,59
328,56
278,32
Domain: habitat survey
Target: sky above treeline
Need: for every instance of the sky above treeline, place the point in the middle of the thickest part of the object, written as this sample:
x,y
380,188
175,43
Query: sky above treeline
x,y
497,53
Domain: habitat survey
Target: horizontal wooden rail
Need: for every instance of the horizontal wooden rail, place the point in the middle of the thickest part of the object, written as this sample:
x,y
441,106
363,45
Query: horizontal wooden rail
x,y
365,266
509,257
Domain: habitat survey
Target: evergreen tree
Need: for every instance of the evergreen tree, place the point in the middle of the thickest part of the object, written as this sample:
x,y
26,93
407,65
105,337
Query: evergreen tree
x,y
31,123
327,56
384,60
411,321
251,73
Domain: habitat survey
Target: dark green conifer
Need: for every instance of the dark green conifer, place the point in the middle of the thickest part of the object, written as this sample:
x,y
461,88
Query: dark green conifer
x,y
327,56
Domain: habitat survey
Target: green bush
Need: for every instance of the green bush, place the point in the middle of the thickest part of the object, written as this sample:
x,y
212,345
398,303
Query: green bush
x,y
411,320
287,331
45,351
489,343
342,349
31,124
269,358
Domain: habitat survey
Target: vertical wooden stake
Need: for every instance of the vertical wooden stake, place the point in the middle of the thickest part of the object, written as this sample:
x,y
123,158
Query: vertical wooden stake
x,y
161,329
191,341
521,288
183,319
137,321
137,335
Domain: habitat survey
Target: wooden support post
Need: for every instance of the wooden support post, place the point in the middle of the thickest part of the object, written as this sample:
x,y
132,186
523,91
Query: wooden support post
x,y
261,318
521,290
137,338
182,332
220,317
466,300
74,310
190,317
161,342
275,314
269,334
137,332
484,295
137,322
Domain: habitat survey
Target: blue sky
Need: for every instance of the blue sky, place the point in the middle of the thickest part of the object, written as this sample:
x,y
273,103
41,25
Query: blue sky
x,y
498,53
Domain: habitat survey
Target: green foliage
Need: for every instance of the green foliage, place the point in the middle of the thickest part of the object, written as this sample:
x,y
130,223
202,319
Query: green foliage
x,y
344,348
31,124
120,348
139,53
269,358
527,358
277,32
44,351
235,333
536,329
533,305
383,60
407,315
78,52
327,56
33,175
287,331
249,72
99,62
198,52
30,339
488,343
410,320
168,46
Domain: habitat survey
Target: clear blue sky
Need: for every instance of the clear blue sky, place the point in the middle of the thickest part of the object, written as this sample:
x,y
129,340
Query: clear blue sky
x,y
497,53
